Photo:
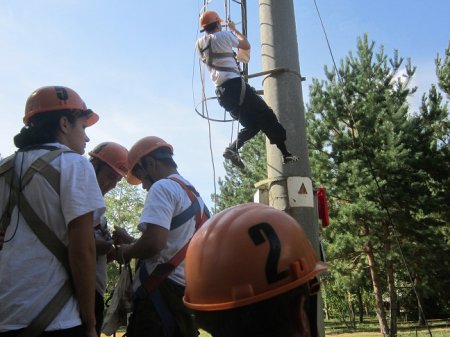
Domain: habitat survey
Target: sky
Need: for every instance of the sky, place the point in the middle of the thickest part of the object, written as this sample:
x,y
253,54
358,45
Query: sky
x,y
133,62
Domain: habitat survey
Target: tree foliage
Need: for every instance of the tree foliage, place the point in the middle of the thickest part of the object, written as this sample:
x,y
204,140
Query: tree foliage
x,y
124,205
443,71
386,169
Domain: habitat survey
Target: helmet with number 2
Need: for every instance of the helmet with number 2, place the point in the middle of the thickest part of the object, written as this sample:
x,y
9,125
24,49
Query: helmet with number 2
x,y
246,254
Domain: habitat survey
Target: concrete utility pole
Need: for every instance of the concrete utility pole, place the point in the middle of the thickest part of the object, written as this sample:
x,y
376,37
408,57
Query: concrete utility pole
x,y
289,186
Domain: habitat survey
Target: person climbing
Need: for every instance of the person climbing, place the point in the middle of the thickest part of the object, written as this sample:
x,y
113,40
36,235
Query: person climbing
x,y
173,211
215,49
48,200
251,271
110,162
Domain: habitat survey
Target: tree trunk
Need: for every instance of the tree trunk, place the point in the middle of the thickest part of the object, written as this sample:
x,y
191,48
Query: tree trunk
x,y
360,305
391,282
381,313
351,308
421,317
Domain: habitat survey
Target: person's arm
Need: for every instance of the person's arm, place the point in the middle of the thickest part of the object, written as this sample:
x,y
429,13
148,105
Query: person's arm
x,y
152,241
82,262
243,42
102,246
120,236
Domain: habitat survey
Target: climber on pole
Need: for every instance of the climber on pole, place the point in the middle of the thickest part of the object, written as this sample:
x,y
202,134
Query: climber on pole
x,y
215,49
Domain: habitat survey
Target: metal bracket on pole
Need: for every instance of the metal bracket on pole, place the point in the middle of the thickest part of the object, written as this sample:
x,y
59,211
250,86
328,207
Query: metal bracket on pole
x,y
263,186
274,72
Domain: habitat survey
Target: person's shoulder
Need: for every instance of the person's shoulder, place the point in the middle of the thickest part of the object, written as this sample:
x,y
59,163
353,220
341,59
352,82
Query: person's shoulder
x,y
162,185
76,159
171,185
66,152
223,34
6,159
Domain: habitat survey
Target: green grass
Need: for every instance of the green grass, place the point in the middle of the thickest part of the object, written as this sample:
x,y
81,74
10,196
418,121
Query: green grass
x,y
439,328
370,328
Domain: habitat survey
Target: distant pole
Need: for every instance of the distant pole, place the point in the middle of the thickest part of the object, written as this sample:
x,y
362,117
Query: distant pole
x,y
283,92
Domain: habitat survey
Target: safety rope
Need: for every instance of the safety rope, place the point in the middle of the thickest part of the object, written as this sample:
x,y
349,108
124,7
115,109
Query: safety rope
x,y
371,169
205,108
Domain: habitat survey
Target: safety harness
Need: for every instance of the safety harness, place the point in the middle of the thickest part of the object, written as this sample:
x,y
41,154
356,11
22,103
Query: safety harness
x,y
150,283
40,229
208,56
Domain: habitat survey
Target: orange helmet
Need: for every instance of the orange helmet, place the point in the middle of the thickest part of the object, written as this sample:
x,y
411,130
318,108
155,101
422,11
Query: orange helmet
x,y
246,254
141,148
54,98
209,17
114,155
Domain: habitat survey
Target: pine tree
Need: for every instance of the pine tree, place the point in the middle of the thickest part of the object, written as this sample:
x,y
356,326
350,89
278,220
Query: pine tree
x,y
364,151
443,71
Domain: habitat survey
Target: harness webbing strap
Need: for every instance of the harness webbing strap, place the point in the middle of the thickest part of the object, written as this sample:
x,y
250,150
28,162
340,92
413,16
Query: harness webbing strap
x,y
49,312
7,172
208,57
47,237
151,282
43,233
184,216
7,165
243,91
41,165
163,270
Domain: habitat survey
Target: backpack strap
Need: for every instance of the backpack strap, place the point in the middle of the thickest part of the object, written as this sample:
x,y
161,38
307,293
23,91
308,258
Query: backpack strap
x,y
47,237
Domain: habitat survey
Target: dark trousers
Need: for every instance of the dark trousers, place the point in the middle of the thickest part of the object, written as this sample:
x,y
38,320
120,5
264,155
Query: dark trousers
x,y
254,114
145,319
77,331
99,312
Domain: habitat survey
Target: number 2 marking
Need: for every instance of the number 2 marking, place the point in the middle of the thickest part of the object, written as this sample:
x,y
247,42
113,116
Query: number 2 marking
x,y
256,234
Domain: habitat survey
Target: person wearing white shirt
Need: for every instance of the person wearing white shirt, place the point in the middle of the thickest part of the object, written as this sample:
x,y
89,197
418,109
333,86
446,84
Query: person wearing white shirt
x,y
47,185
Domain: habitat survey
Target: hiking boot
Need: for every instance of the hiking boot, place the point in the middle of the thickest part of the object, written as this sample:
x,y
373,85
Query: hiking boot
x,y
234,157
289,159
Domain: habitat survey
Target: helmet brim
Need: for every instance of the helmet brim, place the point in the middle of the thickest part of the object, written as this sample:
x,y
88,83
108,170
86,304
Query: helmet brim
x,y
92,118
132,180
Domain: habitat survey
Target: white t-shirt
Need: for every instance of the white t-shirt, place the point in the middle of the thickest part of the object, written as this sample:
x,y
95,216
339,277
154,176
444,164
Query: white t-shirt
x,y
221,42
165,200
29,274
